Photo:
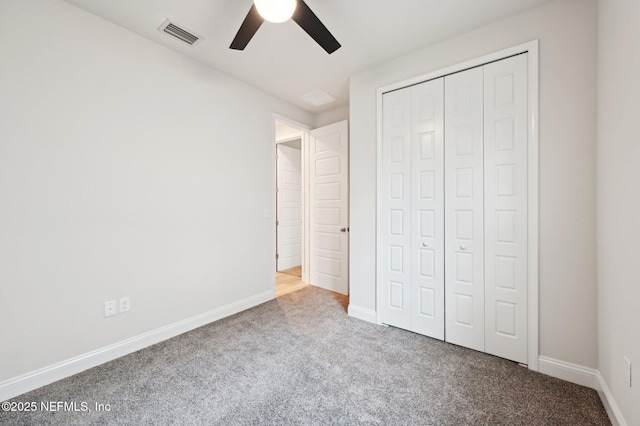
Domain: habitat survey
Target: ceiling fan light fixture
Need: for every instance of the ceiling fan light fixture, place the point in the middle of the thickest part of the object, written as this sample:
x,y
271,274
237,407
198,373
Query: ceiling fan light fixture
x,y
276,10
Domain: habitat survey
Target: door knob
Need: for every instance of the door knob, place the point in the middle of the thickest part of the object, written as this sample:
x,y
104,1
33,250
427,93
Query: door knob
x,y
425,244
463,247
343,229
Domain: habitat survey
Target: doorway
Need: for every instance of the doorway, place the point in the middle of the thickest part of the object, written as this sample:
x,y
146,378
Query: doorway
x,y
312,205
290,208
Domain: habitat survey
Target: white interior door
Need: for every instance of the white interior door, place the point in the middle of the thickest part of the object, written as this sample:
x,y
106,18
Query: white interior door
x,y
329,215
289,202
506,222
464,194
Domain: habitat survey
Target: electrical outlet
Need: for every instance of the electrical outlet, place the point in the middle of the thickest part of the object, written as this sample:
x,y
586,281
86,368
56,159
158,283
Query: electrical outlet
x,y
109,308
628,370
125,304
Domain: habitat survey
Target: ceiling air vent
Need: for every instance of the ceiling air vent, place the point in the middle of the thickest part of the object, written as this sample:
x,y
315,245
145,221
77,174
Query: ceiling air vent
x,y
180,33
318,98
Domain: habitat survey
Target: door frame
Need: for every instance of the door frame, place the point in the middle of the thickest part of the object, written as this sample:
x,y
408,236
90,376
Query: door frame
x,y
304,144
533,178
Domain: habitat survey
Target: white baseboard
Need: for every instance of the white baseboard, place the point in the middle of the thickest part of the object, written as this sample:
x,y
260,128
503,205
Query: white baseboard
x,y
584,376
364,314
44,376
574,373
615,415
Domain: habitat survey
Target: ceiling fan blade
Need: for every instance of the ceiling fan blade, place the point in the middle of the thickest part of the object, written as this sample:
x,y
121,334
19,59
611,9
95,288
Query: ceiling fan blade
x,y
309,22
248,28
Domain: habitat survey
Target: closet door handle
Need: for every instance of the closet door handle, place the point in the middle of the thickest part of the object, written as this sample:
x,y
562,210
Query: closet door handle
x,y
463,247
425,244
343,229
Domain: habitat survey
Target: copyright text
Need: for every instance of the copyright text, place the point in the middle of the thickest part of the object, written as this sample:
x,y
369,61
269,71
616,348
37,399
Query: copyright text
x,y
54,406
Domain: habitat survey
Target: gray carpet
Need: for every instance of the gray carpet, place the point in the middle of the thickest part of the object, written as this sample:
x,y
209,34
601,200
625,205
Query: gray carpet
x,y
301,360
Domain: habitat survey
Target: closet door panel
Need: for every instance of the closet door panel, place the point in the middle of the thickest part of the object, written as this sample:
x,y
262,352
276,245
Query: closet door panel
x,y
505,153
395,209
427,209
464,230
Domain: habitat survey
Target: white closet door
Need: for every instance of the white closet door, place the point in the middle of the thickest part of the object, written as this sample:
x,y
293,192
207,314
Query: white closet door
x,y
464,245
505,152
395,209
427,209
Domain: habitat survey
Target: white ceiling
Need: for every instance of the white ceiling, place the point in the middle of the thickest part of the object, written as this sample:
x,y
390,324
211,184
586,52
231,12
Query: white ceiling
x,y
283,60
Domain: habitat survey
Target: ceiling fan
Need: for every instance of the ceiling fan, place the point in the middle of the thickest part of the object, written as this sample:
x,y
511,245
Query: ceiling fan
x,y
281,11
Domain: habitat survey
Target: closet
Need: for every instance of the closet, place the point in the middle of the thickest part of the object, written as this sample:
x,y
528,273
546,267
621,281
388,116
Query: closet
x,y
453,208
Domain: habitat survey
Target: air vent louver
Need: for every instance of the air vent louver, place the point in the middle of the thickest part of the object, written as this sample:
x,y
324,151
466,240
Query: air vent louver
x,y
180,33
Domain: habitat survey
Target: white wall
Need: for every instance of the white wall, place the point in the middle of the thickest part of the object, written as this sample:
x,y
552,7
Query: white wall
x,y
567,33
333,116
619,200
125,170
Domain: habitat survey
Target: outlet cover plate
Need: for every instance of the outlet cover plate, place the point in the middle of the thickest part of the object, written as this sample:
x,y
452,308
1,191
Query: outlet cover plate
x,y
109,308
125,304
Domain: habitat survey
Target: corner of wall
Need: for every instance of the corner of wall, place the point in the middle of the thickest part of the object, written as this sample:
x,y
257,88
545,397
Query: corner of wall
x,y
363,314
609,402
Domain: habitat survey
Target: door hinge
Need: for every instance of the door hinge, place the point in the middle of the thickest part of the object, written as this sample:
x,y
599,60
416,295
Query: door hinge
x,y
277,256
277,222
